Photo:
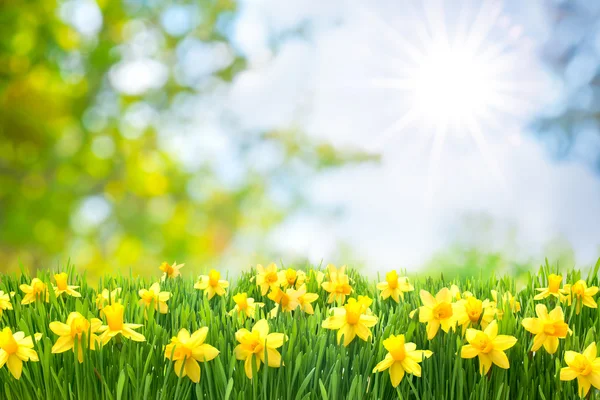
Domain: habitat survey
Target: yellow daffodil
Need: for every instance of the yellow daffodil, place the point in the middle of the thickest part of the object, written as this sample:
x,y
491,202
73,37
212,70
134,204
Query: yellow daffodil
x,y
4,302
581,294
253,346
457,294
189,350
115,325
365,302
267,278
212,284
436,311
305,299
286,301
394,287
553,289
488,346
338,285
156,297
170,270
290,278
507,298
33,291
16,348
63,287
350,321
72,331
401,358
547,328
105,298
245,305
585,367
318,276
471,311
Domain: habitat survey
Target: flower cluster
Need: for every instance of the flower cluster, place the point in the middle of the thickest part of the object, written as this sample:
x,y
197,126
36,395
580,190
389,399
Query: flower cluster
x,y
475,319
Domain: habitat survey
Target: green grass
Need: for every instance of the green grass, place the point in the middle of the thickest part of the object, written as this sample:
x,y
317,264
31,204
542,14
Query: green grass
x,y
315,365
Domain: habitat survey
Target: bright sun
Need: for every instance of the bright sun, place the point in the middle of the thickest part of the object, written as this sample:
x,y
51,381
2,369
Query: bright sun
x,y
457,75
451,84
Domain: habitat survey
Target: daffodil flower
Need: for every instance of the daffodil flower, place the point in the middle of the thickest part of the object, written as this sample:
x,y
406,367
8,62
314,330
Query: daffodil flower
x,y
401,358
153,295
4,302
458,295
245,305
471,311
507,298
437,312
188,351
547,328
305,299
585,367
267,278
350,321
115,325
318,276
291,278
394,287
338,285
212,284
581,294
105,297
553,289
15,349
170,270
488,346
285,301
63,287
254,345
34,291
72,331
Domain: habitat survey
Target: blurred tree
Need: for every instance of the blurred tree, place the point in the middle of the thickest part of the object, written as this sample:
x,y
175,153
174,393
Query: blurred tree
x,y
99,159
571,128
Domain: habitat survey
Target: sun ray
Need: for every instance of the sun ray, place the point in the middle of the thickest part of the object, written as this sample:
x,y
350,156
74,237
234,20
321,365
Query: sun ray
x,y
397,127
399,42
434,160
476,133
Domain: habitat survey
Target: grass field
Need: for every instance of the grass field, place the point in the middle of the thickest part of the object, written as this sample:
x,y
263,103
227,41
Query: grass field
x,y
300,356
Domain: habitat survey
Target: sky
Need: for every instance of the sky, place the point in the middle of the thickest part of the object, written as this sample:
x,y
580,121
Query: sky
x,y
446,95
488,181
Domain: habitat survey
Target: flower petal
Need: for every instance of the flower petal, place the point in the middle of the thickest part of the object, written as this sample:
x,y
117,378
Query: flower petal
x,y
205,352
427,298
500,359
60,329
262,327
396,373
384,364
15,366
468,351
551,344
63,344
192,369
504,342
274,358
533,325
275,340
567,374
590,352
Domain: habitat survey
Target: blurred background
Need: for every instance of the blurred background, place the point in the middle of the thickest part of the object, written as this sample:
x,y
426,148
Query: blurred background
x,y
456,136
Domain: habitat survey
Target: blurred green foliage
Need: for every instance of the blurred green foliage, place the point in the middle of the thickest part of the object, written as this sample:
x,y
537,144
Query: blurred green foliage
x,y
64,147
